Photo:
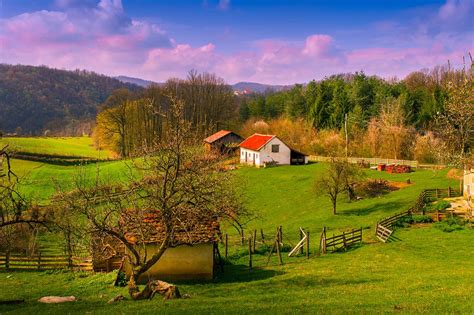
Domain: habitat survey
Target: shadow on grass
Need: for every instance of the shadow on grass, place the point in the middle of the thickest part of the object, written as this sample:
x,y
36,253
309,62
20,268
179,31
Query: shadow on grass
x,y
386,207
238,273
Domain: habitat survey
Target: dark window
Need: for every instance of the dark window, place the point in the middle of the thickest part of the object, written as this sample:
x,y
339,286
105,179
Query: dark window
x,y
275,148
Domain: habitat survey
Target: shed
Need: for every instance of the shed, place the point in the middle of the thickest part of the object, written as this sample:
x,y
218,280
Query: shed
x,y
191,255
262,150
224,141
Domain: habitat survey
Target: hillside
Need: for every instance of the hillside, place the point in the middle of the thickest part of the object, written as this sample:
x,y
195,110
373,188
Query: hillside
x,y
36,99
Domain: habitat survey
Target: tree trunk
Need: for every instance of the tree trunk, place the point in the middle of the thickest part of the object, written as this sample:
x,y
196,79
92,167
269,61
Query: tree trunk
x,y
167,290
334,207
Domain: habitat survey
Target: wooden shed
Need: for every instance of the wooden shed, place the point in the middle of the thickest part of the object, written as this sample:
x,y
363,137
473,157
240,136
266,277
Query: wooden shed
x,y
192,255
223,141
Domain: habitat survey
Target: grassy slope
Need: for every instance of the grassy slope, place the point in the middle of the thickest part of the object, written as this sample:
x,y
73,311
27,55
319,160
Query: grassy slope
x,y
286,196
38,179
429,271
65,146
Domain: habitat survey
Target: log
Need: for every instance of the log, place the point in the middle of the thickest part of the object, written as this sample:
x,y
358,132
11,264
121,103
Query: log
x,y
167,290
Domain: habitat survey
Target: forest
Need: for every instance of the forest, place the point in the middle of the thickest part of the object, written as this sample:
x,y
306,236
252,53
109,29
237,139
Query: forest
x,y
41,100
427,116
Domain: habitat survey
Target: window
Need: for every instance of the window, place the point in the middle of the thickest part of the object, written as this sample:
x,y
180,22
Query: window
x,y
275,148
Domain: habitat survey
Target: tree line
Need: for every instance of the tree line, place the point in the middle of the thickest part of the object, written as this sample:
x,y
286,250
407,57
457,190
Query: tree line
x,y
130,122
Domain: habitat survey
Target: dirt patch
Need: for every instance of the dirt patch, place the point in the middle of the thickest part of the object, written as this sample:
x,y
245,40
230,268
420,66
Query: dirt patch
x,y
399,185
454,173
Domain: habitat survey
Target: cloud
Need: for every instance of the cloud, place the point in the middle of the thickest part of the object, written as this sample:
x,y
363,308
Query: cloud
x,y
100,36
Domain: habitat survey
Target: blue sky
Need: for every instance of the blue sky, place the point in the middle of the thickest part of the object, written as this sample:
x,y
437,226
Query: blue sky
x,y
279,42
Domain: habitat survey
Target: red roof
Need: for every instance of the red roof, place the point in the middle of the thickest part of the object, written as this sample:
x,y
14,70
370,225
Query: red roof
x,y
217,136
256,141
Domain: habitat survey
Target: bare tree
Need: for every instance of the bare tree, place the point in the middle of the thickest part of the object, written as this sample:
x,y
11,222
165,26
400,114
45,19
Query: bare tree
x,y
180,187
337,178
14,207
456,124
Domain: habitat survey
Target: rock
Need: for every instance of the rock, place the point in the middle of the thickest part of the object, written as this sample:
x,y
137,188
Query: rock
x,y
118,298
57,299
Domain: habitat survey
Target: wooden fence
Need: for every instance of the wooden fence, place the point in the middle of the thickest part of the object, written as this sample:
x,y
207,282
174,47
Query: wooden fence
x,y
384,228
371,161
339,242
44,262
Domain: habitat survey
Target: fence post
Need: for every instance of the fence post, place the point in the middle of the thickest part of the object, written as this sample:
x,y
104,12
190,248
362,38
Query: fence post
x,y
307,244
437,215
250,253
437,193
449,191
254,239
262,235
344,240
7,260
280,234
39,260
242,238
226,245
279,252
301,237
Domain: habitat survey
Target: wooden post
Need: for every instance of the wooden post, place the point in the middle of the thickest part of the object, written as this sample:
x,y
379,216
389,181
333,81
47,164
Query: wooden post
x,y
262,235
437,215
301,237
324,240
7,260
449,191
279,252
254,240
39,260
344,240
280,234
226,245
307,244
250,253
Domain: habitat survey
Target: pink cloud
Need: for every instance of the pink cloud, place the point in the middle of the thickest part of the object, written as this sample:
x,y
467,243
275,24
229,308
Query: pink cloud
x,y
102,38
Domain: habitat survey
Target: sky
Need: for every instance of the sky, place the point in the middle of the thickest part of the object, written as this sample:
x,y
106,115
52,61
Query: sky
x,y
273,42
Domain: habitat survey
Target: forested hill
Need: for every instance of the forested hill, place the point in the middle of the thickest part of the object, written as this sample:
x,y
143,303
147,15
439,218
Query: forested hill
x,y
36,99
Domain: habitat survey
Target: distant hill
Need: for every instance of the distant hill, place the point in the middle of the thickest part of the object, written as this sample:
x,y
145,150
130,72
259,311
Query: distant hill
x,y
36,99
136,81
239,88
252,87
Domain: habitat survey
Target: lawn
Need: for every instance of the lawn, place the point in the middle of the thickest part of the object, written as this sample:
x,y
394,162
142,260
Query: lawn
x,y
426,271
429,271
77,147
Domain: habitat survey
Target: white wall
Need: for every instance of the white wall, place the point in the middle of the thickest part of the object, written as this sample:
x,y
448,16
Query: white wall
x,y
265,154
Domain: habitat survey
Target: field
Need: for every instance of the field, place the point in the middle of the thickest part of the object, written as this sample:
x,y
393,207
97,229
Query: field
x,y
426,271
77,147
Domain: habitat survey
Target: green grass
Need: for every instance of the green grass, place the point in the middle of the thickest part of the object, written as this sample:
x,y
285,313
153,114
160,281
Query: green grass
x,y
286,196
427,272
80,147
39,180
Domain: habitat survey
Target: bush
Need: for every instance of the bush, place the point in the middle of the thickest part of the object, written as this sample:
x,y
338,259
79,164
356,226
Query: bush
x,y
373,188
422,219
414,219
450,224
442,205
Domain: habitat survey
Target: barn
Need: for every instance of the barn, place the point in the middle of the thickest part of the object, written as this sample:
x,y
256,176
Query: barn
x,y
224,141
263,150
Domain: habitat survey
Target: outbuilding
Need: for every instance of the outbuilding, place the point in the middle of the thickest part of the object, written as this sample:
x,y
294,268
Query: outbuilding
x,y
263,150
224,141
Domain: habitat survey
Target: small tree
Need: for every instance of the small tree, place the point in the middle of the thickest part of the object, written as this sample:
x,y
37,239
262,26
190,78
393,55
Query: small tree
x,y
337,178
180,187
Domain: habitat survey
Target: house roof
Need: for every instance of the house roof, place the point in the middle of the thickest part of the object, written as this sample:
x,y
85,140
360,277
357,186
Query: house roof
x,y
256,141
217,136
149,226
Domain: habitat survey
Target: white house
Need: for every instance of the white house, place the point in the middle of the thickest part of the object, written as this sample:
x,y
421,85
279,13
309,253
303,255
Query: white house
x,y
260,150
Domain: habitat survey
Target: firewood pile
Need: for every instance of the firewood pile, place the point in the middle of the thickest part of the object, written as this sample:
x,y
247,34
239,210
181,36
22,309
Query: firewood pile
x,y
397,169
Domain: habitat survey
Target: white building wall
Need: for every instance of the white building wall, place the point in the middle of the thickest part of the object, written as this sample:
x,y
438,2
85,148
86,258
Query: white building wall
x,y
258,158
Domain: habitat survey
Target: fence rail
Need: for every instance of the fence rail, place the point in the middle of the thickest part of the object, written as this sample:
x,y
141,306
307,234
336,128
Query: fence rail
x,y
43,262
340,241
371,161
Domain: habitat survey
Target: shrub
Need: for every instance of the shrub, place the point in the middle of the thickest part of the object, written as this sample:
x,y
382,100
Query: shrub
x,y
450,224
421,219
373,188
442,205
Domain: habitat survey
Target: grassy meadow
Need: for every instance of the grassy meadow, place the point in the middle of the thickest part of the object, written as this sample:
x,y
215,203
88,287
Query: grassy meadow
x,y
77,147
426,271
